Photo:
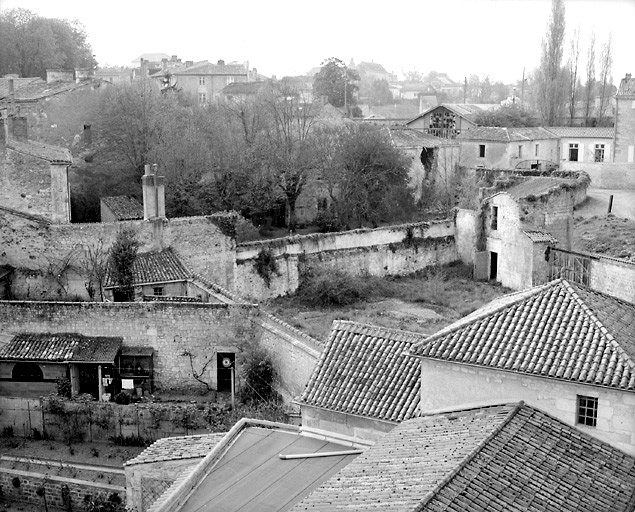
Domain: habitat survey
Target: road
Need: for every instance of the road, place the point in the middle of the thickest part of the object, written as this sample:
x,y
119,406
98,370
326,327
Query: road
x,y
598,201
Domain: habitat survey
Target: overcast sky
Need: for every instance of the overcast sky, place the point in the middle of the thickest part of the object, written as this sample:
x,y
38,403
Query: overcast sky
x,y
279,37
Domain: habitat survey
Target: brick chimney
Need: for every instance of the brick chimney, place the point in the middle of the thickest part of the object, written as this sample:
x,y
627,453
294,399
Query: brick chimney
x,y
153,193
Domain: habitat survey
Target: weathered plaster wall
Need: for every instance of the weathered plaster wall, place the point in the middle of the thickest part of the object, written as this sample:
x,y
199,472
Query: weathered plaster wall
x,y
586,150
624,129
391,250
505,155
170,328
367,429
614,277
467,230
445,385
25,183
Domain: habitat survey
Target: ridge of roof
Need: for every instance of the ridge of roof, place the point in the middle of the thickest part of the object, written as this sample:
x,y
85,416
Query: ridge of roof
x,y
470,456
574,293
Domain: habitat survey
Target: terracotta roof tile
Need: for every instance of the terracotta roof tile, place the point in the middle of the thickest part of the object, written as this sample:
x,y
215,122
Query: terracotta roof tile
x,y
499,458
627,86
175,448
61,347
503,134
124,207
592,132
537,186
541,236
559,330
156,267
363,370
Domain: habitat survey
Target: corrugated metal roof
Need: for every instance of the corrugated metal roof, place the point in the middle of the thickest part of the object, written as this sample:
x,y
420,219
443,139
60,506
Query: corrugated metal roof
x,y
60,347
559,330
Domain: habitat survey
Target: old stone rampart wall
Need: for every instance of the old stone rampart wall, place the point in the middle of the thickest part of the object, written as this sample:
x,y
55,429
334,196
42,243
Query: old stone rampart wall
x,y
390,250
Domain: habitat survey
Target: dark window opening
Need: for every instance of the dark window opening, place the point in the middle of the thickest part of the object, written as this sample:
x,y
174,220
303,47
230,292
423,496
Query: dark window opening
x,y
481,150
158,291
27,372
573,152
494,217
428,156
520,151
587,410
225,363
537,149
599,152
493,265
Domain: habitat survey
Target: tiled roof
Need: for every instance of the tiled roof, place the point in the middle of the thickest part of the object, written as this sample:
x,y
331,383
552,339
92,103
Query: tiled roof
x,y
363,370
537,186
627,86
174,448
29,89
61,347
559,330
243,88
207,68
18,83
155,267
503,134
124,207
371,66
541,236
468,111
500,458
53,154
403,137
590,132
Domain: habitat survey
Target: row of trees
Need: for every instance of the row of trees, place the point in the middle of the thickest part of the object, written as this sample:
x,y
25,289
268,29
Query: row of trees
x,y
558,86
29,44
254,156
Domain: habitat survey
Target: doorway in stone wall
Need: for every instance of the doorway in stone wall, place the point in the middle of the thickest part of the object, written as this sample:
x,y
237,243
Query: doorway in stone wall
x,y
493,265
225,364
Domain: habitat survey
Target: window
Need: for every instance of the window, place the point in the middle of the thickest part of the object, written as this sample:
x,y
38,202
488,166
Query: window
x,y
230,80
494,217
481,150
587,411
520,151
573,152
537,149
158,291
599,152
201,80
27,372
202,98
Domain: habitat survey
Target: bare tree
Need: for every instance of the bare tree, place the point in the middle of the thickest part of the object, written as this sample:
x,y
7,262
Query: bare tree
x,y
606,66
95,265
590,80
550,72
574,58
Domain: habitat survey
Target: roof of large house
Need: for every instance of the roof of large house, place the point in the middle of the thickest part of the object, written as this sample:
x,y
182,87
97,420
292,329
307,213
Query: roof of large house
x,y
403,137
363,371
243,88
504,134
124,207
469,111
371,66
559,330
591,132
207,68
155,267
61,347
53,154
627,86
176,448
505,457
258,466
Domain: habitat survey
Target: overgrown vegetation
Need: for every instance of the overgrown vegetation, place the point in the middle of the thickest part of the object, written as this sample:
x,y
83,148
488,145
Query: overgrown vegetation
x,y
266,265
121,258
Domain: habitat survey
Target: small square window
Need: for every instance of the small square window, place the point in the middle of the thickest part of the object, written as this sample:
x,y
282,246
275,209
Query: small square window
x,y
158,291
481,150
587,411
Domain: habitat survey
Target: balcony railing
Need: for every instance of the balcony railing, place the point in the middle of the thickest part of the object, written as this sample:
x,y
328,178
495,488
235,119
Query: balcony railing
x,y
444,133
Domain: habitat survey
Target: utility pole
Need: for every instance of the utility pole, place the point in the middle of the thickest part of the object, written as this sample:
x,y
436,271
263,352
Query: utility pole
x,y
465,90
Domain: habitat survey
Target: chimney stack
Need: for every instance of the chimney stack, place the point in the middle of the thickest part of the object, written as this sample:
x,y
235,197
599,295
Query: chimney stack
x,y
221,62
143,65
153,193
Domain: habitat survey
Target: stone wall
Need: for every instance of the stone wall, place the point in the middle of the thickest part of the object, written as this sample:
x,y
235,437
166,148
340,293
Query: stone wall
x,y
25,183
448,385
391,250
614,277
467,230
624,129
30,482
170,328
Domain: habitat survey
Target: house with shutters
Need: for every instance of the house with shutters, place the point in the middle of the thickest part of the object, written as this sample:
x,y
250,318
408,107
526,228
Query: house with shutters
x,y
561,347
579,144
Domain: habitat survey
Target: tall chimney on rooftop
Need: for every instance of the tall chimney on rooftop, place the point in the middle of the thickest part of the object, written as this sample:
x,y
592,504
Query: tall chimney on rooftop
x,y
153,193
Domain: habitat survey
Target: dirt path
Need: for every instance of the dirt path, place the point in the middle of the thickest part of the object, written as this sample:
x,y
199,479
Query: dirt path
x,y
598,201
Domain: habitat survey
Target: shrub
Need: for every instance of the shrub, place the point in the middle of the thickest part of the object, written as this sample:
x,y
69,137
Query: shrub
x,y
333,288
100,504
131,440
259,374
122,398
327,222
7,431
266,265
